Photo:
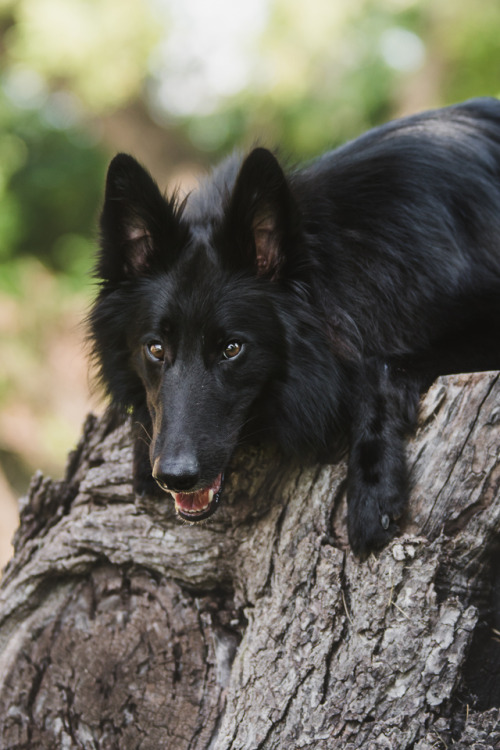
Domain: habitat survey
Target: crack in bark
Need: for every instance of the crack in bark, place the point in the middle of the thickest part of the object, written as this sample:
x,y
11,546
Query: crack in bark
x,y
460,452
274,726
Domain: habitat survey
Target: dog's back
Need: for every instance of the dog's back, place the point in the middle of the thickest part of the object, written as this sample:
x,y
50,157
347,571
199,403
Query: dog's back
x,y
407,218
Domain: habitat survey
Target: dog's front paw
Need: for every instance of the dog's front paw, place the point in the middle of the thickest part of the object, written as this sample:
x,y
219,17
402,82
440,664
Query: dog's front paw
x,y
145,486
143,483
372,520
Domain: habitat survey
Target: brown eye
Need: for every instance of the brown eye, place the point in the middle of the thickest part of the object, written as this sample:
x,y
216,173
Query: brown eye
x,y
155,351
232,350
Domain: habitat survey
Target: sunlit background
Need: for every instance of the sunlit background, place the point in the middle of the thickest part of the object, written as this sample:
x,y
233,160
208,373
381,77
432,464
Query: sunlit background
x,y
178,83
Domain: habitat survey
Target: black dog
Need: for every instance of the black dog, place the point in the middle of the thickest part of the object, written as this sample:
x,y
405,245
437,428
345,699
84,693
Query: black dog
x,y
311,308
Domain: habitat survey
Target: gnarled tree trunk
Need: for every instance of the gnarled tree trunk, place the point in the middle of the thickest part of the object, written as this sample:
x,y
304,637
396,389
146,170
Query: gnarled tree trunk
x,y
121,627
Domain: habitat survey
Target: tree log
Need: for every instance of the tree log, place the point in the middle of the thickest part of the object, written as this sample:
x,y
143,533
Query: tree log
x,y
122,627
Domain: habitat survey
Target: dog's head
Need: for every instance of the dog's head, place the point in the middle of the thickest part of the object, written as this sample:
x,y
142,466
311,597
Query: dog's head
x,y
202,326
191,316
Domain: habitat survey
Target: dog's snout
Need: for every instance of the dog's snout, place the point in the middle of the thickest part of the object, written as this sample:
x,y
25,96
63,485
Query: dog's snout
x,y
181,475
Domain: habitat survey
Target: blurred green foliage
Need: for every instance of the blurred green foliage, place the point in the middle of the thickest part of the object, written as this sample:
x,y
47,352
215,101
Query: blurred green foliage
x,y
62,63
98,49
49,192
326,71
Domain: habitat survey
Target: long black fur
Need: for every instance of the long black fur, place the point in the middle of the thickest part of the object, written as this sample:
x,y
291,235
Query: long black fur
x,y
348,286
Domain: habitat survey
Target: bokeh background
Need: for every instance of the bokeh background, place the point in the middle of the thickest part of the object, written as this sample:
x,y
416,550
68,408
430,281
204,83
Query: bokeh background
x,y
178,83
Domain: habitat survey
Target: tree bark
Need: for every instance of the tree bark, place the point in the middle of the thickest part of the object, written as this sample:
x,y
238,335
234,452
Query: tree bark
x,y
121,627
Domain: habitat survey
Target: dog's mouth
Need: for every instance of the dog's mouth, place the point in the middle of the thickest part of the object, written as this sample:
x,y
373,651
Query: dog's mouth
x,y
198,505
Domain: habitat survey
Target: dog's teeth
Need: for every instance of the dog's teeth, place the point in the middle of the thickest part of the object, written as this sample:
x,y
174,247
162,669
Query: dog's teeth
x,y
182,501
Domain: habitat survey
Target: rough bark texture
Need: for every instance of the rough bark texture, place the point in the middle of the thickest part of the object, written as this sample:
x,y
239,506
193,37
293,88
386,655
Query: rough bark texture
x,y
121,627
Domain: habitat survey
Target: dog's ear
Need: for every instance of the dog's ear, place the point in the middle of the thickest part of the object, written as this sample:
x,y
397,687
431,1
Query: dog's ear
x,y
261,217
138,225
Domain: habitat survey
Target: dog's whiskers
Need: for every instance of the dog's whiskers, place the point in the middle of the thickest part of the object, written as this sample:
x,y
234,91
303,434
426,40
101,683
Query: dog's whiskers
x,y
149,439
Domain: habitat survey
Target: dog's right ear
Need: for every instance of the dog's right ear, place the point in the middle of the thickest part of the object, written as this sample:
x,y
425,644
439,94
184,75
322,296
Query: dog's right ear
x,y
139,226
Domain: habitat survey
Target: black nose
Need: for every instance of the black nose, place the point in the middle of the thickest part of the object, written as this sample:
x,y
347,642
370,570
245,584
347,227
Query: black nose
x,y
177,476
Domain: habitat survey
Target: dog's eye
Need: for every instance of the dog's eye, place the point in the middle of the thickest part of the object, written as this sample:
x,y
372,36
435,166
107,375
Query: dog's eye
x,y
155,351
232,350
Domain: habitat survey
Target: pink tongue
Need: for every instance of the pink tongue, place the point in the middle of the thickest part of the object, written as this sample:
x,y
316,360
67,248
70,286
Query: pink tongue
x,y
191,502
195,502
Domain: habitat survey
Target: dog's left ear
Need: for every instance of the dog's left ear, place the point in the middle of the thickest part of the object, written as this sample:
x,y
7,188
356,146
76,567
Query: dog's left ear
x,y
261,218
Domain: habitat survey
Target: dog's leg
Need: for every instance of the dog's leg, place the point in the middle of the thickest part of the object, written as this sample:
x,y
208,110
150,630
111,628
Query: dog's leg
x,y
384,410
